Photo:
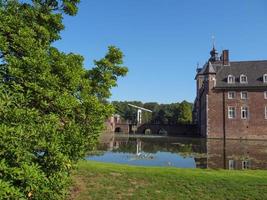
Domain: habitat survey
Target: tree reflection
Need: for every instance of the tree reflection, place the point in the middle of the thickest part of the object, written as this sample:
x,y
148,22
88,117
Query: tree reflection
x,y
229,154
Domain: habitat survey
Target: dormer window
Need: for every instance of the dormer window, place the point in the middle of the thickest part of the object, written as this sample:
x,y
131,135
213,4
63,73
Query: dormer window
x,y
231,79
243,79
264,78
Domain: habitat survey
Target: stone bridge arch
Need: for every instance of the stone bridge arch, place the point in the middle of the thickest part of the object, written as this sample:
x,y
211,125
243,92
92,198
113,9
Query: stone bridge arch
x,y
147,131
122,128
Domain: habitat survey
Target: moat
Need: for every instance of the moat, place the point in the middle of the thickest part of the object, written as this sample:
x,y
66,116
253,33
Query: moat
x,y
181,152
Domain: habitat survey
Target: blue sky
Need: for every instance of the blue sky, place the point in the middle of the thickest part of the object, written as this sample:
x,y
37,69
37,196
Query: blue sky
x,y
163,40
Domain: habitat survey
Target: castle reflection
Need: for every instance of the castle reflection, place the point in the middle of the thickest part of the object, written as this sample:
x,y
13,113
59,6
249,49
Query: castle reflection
x,y
237,154
211,153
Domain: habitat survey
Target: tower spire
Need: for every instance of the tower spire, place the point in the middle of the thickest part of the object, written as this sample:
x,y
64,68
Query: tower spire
x,y
213,41
213,53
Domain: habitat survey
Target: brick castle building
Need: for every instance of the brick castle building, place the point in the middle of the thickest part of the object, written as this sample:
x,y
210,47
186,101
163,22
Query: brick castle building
x,y
231,99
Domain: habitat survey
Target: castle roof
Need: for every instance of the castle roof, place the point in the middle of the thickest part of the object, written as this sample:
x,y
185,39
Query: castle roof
x,y
253,70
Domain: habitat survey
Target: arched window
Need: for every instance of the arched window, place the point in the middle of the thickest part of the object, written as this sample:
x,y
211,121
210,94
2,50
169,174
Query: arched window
x,y
118,130
231,79
243,78
264,78
147,131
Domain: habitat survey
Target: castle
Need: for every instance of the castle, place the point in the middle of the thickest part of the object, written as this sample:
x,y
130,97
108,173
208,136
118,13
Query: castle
x,y
231,99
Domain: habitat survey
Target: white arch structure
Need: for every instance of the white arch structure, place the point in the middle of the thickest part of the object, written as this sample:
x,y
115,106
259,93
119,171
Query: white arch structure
x,y
139,112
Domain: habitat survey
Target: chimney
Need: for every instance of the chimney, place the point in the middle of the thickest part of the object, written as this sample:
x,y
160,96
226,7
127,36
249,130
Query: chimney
x,y
225,57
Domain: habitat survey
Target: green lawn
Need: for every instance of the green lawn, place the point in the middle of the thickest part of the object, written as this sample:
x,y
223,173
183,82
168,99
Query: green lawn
x,y
94,180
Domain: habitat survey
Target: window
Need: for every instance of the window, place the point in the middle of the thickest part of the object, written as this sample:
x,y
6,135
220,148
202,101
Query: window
x,y
246,164
265,111
265,95
231,95
231,79
231,112
244,95
231,164
244,112
243,79
265,78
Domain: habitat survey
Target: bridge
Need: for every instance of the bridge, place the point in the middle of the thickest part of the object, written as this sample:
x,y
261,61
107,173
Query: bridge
x,y
158,129
170,130
121,126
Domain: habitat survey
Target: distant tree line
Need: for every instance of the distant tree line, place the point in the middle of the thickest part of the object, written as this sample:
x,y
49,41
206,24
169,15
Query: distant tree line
x,y
173,113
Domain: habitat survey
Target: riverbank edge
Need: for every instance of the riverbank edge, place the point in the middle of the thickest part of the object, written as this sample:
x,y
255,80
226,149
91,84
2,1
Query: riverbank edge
x,y
96,180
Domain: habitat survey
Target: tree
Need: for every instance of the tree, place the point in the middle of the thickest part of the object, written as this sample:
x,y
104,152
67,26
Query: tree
x,y
51,108
185,112
104,76
162,113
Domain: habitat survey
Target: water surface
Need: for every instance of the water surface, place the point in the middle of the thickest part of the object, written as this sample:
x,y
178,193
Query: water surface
x,y
181,152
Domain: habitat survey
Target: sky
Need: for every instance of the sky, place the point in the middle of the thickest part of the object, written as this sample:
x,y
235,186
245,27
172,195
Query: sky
x,y
163,40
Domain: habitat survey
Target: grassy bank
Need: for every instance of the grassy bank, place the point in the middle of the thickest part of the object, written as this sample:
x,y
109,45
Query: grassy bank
x,y
95,180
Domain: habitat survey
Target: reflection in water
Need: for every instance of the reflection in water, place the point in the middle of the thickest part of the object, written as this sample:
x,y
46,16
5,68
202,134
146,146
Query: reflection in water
x,y
138,147
237,154
183,152
141,155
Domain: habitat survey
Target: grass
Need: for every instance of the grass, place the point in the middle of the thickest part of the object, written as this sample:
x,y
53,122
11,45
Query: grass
x,y
95,180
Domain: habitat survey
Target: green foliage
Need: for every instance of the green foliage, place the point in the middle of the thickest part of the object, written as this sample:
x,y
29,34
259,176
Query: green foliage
x,y
185,110
104,75
51,108
129,113
162,113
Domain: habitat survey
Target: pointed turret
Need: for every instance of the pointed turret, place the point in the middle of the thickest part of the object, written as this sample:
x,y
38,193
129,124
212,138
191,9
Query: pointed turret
x,y
209,69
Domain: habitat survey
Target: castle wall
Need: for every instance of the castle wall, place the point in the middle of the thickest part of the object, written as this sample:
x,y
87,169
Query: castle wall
x,y
255,127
